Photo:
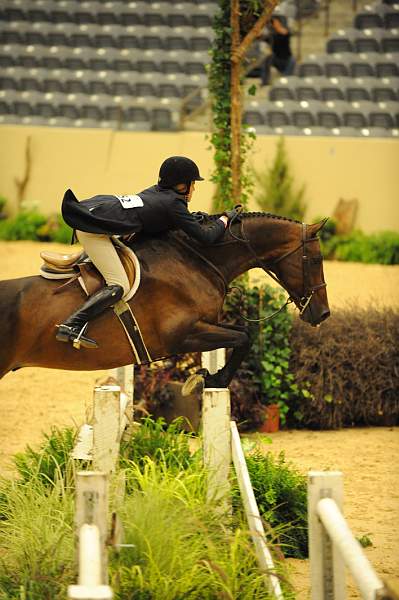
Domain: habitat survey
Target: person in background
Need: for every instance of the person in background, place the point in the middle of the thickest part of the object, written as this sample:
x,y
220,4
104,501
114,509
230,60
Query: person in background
x,y
278,37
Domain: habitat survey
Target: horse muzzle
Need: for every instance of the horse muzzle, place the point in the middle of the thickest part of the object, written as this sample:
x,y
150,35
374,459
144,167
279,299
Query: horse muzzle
x,y
315,315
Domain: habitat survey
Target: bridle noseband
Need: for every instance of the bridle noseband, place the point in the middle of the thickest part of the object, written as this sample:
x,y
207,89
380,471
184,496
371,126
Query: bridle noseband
x,y
301,301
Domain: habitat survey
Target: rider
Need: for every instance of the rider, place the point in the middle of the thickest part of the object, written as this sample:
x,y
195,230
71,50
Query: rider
x,y
156,209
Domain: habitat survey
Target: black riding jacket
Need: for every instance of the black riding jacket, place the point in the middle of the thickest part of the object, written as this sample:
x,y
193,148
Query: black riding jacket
x,y
161,210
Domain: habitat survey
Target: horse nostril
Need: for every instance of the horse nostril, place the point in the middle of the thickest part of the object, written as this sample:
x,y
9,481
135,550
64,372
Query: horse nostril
x,y
324,315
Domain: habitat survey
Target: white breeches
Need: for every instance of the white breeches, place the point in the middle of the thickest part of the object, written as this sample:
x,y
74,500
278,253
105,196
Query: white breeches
x,y
104,256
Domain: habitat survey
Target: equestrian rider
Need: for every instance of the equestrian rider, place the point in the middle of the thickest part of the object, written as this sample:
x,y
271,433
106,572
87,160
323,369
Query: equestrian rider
x,y
159,208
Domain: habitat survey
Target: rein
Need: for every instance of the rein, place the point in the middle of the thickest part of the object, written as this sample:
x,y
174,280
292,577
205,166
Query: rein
x,y
207,262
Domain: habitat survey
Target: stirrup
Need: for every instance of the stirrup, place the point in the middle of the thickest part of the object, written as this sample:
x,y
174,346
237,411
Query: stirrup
x,y
66,333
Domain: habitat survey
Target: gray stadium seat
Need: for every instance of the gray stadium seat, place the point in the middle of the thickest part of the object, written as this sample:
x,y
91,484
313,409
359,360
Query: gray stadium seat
x,y
164,119
334,88
338,65
387,65
329,115
342,41
384,114
277,114
369,40
253,118
390,42
285,88
305,114
391,18
363,65
368,19
357,114
385,89
312,66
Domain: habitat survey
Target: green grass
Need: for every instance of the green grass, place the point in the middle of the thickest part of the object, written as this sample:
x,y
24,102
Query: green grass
x,y
183,547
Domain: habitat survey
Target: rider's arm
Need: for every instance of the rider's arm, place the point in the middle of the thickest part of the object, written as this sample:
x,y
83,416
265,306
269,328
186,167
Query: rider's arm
x,y
184,220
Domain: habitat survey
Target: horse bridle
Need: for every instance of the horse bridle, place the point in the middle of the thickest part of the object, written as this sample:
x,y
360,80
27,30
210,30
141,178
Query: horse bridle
x,y
302,301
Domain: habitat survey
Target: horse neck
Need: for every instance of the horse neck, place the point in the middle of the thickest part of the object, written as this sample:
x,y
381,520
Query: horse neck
x,y
269,237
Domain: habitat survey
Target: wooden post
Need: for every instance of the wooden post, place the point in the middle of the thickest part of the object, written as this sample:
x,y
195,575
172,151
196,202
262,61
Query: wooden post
x,y
125,379
217,444
255,524
327,571
106,427
91,517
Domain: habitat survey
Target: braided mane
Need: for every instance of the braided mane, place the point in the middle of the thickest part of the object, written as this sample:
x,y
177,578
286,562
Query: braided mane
x,y
252,215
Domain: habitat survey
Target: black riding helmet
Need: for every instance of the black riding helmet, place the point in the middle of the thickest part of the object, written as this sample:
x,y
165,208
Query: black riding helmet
x,y
178,169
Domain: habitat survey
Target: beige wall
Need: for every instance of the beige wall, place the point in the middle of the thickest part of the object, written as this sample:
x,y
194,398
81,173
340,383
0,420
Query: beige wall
x,y
96,161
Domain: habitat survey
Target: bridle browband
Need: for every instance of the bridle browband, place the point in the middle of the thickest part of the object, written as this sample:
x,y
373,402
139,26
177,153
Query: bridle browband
x,y
302,301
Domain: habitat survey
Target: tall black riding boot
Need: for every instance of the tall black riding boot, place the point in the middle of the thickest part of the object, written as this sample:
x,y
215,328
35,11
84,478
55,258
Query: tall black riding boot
x,y
73,329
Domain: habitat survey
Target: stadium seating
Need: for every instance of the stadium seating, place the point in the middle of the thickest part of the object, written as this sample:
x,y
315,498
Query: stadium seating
x,y
353,88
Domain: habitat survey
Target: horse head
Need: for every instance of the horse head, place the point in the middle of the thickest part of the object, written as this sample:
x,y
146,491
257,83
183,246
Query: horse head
x,y
300,272
289,251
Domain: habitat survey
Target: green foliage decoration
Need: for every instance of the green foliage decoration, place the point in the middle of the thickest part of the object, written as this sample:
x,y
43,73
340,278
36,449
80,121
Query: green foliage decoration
x,y
30,224
378,248
274,187
219,79
265,376
281,495
50,461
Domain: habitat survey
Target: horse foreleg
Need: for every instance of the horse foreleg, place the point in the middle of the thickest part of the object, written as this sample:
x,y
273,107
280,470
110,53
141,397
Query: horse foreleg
x,y
207,337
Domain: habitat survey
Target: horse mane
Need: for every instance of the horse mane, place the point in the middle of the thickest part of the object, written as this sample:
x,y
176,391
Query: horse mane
x,y
254,215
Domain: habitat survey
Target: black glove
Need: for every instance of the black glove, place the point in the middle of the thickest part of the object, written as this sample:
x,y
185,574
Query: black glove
x,y
200,216
232,215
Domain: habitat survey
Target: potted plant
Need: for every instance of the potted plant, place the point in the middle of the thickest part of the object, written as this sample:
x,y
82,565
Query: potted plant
x,y
277,383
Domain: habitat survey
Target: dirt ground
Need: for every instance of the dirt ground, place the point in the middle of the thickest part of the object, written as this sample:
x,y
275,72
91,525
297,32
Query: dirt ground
x,y
32,400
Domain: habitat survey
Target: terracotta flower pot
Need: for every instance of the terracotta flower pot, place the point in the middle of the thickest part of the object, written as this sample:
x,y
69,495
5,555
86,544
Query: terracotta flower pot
x,y
271,423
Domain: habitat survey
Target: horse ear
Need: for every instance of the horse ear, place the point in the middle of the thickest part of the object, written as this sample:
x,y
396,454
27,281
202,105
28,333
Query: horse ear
x,y
316,227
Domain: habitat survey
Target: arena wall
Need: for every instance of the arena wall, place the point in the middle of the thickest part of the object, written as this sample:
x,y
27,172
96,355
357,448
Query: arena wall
x,y
92,161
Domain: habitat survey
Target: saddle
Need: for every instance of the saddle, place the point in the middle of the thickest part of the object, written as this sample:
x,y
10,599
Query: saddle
x,y
78,266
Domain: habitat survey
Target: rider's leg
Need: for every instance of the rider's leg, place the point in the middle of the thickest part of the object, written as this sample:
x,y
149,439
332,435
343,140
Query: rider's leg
x,y
105,258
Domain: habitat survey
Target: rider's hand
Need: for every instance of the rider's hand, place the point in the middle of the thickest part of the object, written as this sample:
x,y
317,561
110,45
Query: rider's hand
x,y
232,214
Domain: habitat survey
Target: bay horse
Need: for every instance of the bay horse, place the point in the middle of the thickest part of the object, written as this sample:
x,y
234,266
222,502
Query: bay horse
x,y
179,302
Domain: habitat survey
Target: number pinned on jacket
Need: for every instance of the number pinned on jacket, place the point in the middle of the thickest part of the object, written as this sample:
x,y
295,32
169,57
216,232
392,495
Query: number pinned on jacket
x,y
132,201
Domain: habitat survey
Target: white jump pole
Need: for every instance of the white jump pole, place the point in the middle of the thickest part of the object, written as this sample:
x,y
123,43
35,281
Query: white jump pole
x,y
91,516
255,524
214,360
106,427
217,444
332,544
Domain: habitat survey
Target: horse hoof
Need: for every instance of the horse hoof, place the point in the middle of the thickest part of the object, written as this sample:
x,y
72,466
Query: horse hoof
x,y
193,384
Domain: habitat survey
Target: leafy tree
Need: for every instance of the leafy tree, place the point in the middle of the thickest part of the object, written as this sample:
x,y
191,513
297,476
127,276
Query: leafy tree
x,y
275,191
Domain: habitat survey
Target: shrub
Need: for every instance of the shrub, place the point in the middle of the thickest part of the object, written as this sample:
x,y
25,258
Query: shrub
x,y
380,248
29,224
352,365
274,188
281,494
24,226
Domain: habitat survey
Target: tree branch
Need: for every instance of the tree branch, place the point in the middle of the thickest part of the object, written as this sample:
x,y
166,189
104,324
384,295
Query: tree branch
x,y
243,48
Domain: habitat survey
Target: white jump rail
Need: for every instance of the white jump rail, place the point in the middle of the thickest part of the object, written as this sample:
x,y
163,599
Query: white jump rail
x,y
91,527
332,545
255,524
221,446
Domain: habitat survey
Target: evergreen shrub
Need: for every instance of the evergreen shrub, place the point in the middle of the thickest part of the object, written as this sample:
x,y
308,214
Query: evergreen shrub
x,y
352,365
